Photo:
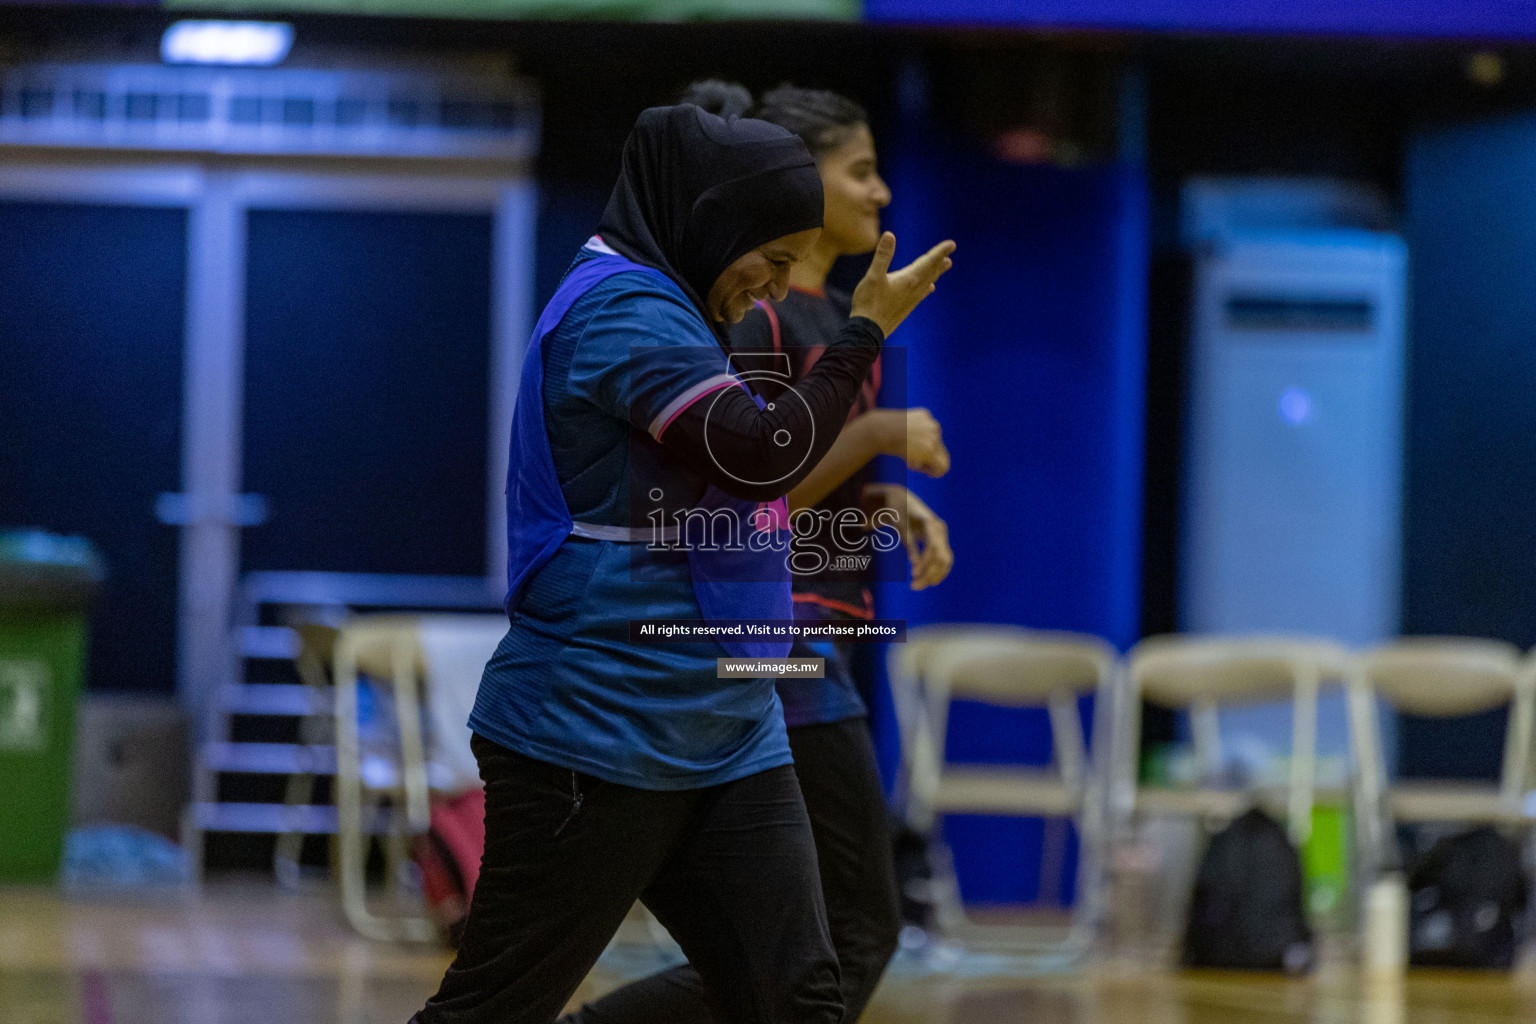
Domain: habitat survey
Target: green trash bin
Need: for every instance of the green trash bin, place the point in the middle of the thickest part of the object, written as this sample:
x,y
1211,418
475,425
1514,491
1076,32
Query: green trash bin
x,y
46,586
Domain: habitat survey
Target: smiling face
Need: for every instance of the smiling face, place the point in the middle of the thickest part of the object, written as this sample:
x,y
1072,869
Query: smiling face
x,y
762,273
854,193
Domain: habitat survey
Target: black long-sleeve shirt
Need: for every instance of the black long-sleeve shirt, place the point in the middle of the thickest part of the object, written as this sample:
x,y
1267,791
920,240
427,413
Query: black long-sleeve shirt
x,y
762,454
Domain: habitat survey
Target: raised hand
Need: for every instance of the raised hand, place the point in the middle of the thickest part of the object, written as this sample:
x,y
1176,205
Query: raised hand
x,y
886,297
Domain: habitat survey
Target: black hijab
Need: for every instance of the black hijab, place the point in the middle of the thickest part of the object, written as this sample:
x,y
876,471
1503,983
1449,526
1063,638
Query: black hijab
x,y
696,192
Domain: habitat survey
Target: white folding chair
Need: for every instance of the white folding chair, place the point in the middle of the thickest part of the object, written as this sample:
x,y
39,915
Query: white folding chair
x,y
1008,667
906,665
1439,677
1202,673
388,649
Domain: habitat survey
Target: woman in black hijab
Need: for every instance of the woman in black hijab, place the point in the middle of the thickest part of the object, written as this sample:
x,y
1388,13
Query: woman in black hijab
x,y
618,770
697,191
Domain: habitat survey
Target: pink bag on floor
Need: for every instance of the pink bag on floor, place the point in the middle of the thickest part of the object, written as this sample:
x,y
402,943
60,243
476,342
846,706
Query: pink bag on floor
x,y
449,858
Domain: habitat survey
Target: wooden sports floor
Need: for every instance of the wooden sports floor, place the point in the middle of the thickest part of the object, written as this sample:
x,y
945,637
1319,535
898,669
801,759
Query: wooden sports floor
x,y
244,953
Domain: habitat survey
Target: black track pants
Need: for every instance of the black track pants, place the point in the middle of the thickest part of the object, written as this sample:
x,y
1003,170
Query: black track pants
x,y
835,764
729,870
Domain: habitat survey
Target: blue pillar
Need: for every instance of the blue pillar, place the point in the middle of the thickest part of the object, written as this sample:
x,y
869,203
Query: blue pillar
x,y
1032,356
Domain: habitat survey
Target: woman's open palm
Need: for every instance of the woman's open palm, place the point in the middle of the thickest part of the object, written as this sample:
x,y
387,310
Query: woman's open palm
x,y
887,297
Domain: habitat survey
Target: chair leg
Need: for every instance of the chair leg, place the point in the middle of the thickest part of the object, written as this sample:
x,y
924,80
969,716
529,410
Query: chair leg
x,y
351,851
944,890
397,855
352,845
300,790
952,922
1088,909
192,843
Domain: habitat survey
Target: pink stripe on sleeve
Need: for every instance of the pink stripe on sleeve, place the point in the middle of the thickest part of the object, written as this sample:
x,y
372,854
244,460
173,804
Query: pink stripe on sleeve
x,y
679,405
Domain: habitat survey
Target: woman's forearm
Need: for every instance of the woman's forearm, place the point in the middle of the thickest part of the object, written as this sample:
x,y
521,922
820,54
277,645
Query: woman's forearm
x,y
732,442
859,442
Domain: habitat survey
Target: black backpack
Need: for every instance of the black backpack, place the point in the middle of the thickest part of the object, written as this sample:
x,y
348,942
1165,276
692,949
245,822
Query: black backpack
x,y
1247,910
1467,896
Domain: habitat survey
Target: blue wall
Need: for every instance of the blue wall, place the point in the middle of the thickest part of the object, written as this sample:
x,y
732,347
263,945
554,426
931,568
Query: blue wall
x,y
92,308
1501,19
1469,524
328,370
1032,356
1469,521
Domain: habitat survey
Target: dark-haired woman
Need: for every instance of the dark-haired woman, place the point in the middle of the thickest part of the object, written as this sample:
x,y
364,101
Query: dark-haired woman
x,y
615,770
828,734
